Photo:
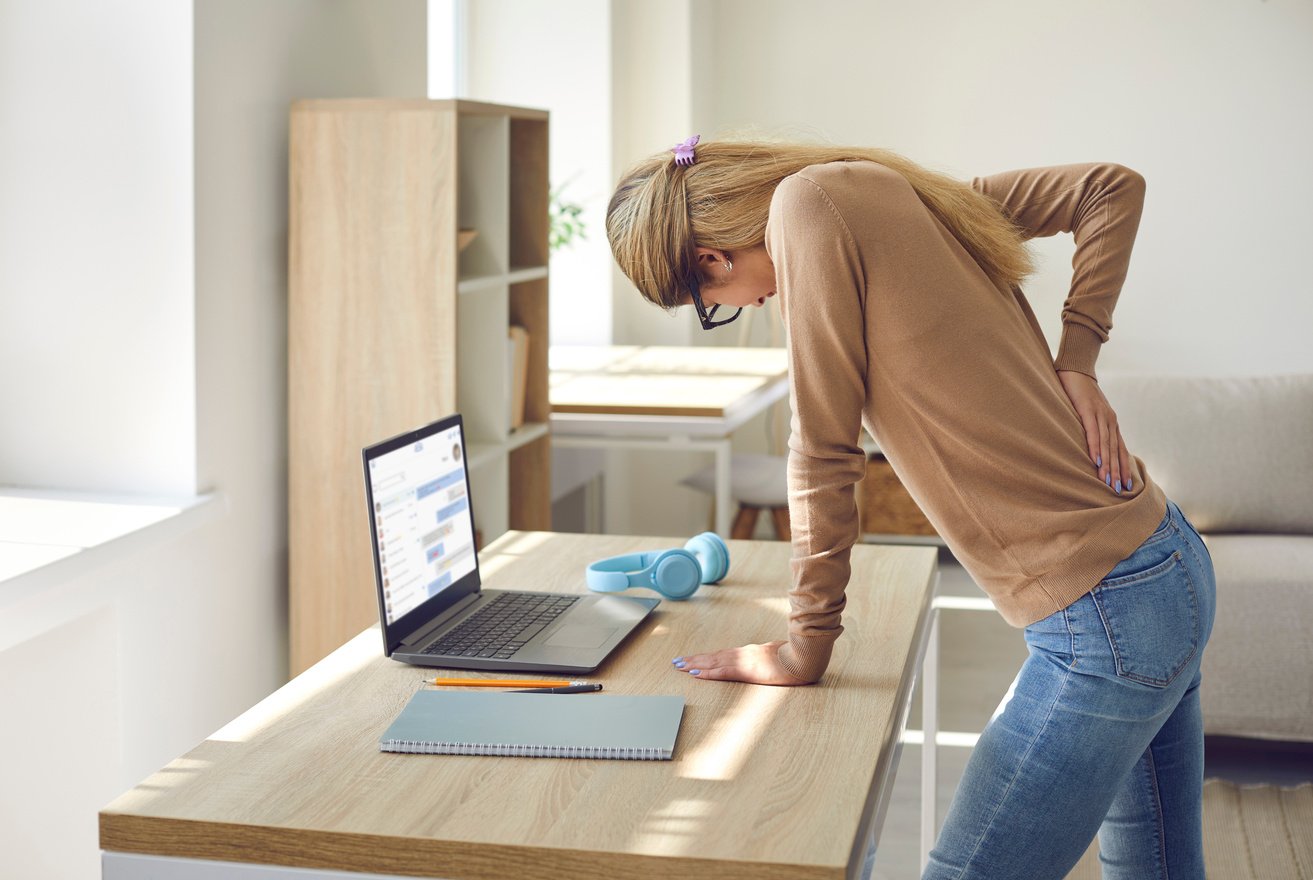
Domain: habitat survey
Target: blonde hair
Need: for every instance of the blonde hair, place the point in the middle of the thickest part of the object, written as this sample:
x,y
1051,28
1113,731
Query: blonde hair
x,y
660,212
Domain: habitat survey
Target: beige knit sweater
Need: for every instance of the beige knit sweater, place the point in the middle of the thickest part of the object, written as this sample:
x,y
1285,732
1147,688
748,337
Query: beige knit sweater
x,y
892,325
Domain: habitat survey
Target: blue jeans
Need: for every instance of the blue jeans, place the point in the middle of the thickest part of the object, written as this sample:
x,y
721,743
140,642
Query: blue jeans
x,y
1101,734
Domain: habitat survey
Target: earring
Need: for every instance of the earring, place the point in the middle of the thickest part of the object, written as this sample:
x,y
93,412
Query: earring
x,y
729,267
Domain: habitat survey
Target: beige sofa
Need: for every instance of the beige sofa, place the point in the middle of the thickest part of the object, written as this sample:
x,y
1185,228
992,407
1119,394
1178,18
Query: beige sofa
x,y
1237,456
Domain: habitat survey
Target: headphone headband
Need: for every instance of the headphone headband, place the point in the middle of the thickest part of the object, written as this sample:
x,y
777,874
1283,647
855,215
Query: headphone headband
x,y
611,575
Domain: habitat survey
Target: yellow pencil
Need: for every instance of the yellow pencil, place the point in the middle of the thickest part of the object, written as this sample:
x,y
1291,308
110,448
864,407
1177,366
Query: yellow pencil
x,y
500,683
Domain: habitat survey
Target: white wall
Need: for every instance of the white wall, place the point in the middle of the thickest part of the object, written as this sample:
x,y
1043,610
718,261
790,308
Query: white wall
x,y
654,71
132,665
1209,101
556,56
96,348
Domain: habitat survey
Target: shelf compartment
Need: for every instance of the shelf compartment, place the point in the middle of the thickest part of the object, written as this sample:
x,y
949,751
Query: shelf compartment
x,y
530,477
482,454
481,367
528,308
489,497
529,195
482,152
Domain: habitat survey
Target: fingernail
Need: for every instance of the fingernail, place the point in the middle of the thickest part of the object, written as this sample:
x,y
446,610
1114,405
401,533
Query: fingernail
x,y
1108,479
1128,484
678,660
1098,461
694,671
1119,487
679,664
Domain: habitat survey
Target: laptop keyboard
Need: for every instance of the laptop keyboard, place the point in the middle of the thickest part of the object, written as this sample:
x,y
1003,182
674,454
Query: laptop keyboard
x,y
503,626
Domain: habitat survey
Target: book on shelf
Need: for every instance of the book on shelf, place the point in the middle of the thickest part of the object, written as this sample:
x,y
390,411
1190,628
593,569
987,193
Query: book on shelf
x,y
518,369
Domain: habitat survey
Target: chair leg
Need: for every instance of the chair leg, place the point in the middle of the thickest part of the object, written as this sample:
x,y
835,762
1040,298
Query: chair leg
x,y
780,516
745,523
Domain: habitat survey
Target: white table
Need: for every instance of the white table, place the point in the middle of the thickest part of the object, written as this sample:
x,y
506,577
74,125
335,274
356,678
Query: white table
x,y
664,398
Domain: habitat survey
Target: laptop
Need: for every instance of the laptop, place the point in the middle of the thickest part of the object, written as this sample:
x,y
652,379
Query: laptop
x,y
433,608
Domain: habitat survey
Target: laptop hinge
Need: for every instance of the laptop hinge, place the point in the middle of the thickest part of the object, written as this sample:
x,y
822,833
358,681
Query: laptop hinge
x,y
422,635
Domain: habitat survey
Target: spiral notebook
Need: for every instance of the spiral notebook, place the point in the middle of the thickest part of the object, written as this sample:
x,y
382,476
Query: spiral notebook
x,y
537,725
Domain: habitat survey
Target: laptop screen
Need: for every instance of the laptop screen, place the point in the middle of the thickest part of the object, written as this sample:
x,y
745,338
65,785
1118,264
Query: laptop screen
x,y
423,530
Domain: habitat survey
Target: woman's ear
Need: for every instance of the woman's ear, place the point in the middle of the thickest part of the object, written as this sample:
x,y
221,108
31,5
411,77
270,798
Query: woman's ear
x,y
711,264
710,256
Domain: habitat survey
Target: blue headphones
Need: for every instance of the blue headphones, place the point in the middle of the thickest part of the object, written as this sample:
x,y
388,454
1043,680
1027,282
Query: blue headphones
x,y
675,574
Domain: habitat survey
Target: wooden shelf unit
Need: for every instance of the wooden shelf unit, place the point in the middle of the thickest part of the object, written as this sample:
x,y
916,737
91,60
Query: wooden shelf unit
x,y
391,327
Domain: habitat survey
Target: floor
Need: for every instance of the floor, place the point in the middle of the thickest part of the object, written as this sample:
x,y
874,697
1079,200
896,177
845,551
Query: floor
x,y
979,656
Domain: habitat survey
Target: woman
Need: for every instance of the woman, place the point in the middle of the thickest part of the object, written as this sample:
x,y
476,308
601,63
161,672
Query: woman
x,y
900,294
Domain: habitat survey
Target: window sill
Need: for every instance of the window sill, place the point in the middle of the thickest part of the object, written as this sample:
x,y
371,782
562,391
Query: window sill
x,y
50,537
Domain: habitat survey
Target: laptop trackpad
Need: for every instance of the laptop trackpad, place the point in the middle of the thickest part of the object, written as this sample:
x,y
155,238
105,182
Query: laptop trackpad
x,y
580,637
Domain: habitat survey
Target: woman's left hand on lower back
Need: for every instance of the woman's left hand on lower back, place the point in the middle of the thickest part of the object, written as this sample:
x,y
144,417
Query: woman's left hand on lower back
x,y
1103,436
755,664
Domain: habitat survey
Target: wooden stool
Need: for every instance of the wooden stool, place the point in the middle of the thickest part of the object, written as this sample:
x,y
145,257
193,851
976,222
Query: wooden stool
x,y
758,483
745,522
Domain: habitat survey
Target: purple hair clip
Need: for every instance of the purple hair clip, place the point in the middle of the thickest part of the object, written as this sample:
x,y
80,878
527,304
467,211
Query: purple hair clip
x,y
684,152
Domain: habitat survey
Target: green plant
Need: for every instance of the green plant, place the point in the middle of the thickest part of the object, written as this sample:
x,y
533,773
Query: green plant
x,y
566,225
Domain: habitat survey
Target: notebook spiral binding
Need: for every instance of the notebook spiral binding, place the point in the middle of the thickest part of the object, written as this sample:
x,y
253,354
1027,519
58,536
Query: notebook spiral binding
x,y
511,750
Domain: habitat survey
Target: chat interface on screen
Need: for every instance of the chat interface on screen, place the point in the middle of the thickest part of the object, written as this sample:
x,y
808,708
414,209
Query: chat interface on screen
x,y
422,520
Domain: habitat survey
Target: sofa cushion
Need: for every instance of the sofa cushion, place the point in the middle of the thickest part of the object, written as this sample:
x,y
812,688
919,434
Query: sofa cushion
x,y
1235,454
1259,662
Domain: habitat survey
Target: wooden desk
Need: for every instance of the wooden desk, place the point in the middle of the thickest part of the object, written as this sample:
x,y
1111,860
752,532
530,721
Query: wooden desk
x,y
766,782
663,397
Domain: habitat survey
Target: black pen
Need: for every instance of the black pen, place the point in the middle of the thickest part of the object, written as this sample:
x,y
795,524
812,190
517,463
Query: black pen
x,y
572,689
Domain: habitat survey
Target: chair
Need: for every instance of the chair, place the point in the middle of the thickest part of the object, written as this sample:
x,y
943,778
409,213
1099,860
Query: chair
x,y
757,483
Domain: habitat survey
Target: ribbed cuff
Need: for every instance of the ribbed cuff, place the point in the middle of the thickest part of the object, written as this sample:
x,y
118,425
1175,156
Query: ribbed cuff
x,y
806,658
1078,350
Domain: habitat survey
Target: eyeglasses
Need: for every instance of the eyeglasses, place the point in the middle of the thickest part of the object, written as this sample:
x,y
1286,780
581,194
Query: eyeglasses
x,y
695,288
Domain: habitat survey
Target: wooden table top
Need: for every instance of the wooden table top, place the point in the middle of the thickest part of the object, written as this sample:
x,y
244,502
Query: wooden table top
x,y
658,380
766,782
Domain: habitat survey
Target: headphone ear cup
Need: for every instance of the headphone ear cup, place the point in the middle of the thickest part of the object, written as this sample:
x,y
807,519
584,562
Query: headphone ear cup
x,y
712,555
676,574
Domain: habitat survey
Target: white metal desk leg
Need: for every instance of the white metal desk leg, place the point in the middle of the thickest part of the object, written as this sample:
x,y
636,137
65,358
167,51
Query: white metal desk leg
x,y
724,501
930,740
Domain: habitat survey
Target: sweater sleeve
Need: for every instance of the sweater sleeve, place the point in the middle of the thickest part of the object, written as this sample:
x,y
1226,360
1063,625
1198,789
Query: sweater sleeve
x,y
1100,204
821,287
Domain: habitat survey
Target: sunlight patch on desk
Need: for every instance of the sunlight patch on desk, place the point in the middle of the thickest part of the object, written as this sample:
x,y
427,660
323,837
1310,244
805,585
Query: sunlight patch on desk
x,y
344,662
777,604
669,830
734,736
176,773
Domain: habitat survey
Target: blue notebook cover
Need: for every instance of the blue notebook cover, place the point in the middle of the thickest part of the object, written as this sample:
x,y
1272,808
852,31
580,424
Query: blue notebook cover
x,y
537,725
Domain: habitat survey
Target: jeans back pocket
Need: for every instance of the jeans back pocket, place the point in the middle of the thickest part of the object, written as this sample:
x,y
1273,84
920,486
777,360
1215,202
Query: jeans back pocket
x,y
1152,621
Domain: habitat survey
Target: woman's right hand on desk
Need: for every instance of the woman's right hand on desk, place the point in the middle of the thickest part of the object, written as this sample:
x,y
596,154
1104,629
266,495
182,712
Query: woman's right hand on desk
x,y
755,664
